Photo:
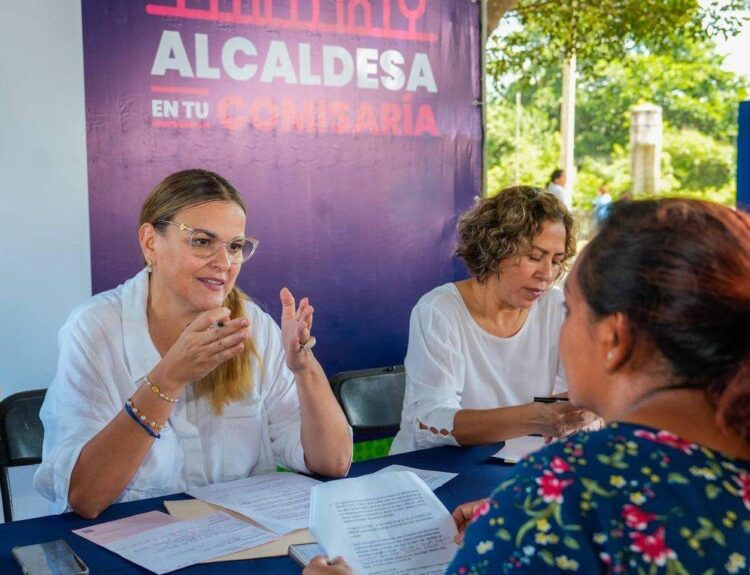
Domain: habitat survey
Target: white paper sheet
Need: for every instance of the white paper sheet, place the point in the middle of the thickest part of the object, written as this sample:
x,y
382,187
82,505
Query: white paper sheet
x,y
516,449
183,543
278,501
305,553
106,532
433,479
384,523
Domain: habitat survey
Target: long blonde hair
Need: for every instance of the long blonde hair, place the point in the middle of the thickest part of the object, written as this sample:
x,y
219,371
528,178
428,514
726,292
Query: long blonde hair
x,y
232,379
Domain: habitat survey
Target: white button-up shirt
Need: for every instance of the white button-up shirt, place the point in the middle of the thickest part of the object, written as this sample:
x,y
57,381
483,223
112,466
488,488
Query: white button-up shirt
x,y
452,364
106,350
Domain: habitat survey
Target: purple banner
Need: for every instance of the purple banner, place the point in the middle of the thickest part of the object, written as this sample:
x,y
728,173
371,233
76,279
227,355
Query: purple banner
x,y
348,126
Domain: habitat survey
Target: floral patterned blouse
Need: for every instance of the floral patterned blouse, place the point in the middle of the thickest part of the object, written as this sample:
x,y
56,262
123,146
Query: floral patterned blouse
x,y
626,499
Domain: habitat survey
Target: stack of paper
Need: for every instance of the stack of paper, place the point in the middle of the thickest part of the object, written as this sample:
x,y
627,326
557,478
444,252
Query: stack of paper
x,y
433,479
278,501
229,496
303,554
383,523
161,544
194,508
516,449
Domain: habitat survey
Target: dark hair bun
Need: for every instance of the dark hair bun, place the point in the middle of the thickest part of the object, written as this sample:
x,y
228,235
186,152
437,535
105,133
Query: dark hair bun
x,y
680,270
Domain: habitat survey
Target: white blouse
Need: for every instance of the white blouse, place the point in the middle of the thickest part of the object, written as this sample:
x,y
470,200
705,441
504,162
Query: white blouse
x,y
452,364
106,350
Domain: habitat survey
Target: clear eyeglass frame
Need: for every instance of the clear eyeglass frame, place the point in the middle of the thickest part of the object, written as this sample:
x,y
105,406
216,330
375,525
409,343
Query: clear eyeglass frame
x,y
207,251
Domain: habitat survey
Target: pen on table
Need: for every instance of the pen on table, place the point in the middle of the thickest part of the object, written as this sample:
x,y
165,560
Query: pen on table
x,y
550,399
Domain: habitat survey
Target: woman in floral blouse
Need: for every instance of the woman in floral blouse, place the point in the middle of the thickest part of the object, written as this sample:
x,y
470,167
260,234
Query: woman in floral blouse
x,y
657,341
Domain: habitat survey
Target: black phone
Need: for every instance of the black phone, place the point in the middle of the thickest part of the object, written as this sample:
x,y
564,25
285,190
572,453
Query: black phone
x,y
49,558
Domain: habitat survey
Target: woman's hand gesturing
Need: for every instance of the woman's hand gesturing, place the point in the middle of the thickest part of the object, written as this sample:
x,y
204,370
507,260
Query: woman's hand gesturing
x,y
296,324
209,340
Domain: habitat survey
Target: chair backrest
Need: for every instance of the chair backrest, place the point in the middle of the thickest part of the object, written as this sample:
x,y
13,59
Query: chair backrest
x,y
371,398
21,435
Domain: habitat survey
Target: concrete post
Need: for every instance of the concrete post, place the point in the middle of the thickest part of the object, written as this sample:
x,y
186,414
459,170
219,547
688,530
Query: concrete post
x,y
645,148
568,126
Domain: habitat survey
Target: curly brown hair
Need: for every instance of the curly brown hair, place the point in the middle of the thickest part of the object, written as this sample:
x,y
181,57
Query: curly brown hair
x,y
505,225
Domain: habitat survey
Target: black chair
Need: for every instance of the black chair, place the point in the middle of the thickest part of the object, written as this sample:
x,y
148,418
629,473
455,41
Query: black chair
x,y
371,398
21,435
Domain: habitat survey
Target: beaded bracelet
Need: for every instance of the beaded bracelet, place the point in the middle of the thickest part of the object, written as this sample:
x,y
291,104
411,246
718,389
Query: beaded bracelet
x,y
152,427
155,389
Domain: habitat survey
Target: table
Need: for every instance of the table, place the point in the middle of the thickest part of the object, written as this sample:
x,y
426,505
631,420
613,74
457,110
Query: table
x,y
478,476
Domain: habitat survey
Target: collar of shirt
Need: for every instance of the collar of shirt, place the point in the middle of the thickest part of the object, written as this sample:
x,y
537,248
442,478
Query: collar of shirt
x,y
140,351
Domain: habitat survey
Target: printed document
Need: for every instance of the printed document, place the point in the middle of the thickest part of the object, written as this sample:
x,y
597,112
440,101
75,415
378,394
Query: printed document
x,y
303,554
433,479
278,501
383,523
177,544
516,449
192,508
113,530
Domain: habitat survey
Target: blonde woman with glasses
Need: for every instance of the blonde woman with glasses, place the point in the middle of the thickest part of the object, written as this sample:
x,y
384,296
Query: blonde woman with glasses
x,y
175,378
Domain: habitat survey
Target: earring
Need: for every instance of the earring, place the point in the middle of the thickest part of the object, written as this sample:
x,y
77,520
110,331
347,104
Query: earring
x,y
610,355
149,268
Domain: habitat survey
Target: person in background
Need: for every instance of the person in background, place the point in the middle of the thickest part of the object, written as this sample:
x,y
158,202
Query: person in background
x,y
601,205
175,378
481,349
556,185
657,340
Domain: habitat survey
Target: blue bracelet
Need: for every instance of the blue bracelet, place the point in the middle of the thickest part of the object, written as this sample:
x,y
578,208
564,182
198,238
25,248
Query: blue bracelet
x,y
135,418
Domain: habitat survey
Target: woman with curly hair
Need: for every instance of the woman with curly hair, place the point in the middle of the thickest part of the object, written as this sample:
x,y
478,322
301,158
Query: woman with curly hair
x,y
656,340
481,349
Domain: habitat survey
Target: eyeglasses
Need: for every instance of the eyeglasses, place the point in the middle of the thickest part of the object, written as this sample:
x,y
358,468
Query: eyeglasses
x,y
204,244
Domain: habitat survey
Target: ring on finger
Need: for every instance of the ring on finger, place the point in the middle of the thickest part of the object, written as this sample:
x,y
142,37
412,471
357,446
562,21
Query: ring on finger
x,y
308,345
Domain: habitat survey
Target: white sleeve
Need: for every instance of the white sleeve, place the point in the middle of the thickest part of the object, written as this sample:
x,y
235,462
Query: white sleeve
x,y
434,375
280,399
78,405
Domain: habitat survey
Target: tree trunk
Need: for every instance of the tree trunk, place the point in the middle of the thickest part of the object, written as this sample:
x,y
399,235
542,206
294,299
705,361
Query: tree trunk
x,y
568,127
496,9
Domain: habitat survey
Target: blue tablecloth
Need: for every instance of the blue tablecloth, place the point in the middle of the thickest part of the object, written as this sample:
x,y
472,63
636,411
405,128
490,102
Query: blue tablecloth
x,y
478,475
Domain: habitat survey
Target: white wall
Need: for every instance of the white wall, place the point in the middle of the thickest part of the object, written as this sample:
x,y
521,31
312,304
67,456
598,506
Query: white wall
x,y
44,227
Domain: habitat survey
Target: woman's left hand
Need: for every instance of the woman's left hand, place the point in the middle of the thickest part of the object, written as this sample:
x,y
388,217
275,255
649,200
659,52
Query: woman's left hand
x,y
296,324
463,515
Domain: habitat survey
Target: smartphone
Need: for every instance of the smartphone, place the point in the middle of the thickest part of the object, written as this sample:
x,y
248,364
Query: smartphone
x,y
304,552
49,558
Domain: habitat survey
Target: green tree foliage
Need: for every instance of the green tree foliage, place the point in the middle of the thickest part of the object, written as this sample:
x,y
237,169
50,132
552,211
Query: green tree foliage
x,y
538,148
700,165
687,82
658,52
546,31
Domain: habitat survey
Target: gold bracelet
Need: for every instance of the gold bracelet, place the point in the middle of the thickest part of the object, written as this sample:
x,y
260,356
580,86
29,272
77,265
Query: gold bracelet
x,y
142,416
155,389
